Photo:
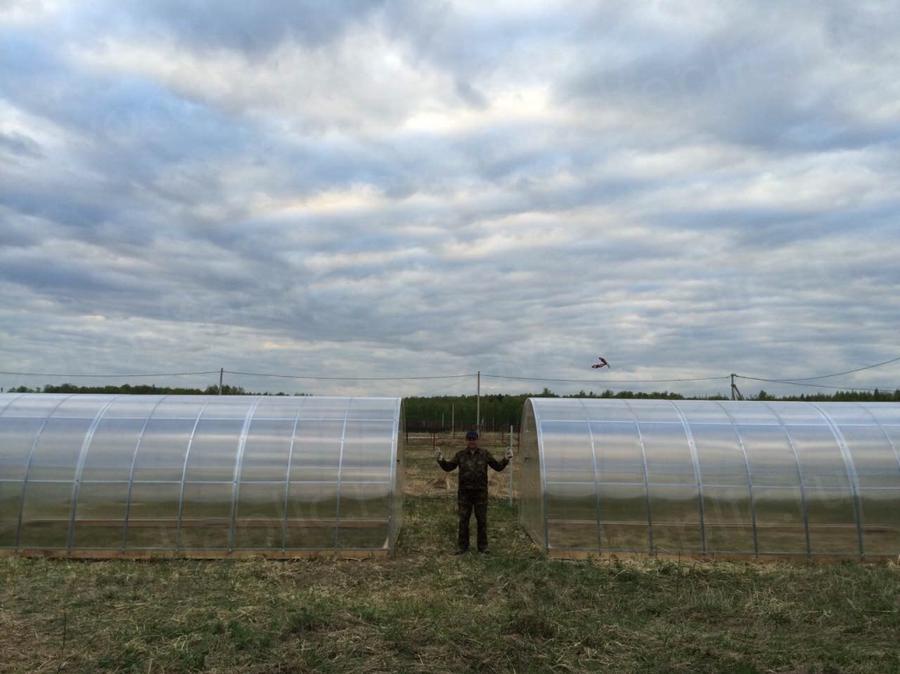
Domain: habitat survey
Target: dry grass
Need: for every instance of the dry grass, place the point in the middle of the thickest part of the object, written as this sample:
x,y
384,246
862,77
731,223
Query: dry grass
x,y
429,611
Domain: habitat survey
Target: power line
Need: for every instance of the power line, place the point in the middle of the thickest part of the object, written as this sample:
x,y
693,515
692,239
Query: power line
x,y
108,376
801,383
837,374
603,381
298,376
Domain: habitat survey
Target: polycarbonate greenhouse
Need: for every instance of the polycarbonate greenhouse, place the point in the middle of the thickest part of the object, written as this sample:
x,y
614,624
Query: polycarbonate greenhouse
x,y
199,476
728,479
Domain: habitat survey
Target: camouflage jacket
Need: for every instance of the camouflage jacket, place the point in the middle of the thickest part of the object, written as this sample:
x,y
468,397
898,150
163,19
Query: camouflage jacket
x,y
473,468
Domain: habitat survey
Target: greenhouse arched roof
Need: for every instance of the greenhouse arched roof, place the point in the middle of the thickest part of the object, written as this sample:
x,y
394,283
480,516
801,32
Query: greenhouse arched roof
x,y
732,479
102,475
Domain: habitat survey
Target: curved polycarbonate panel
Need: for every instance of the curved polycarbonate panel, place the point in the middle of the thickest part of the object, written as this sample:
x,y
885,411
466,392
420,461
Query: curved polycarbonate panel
x,y
730,479
98,475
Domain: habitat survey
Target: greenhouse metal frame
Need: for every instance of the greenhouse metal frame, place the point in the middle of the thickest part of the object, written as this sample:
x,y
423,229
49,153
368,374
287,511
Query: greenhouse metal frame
x,y
199,476
711,478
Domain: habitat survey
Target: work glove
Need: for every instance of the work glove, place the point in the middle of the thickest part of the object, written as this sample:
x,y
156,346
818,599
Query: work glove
x,y
509,453
438,454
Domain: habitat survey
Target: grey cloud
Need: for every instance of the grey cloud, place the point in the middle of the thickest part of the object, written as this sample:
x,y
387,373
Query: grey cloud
x,y
475,48
17,231
770,78
19,144
470,94
66,279
242,26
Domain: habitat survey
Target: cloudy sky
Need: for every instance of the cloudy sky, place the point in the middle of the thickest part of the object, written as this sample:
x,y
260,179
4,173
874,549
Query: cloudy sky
x,y
415,188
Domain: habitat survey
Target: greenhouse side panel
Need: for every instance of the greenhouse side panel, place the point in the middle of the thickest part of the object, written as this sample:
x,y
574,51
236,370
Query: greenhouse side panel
x,y
198,476
712,478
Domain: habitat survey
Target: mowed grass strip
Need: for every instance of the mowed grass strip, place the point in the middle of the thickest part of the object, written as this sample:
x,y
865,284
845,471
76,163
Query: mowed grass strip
x,y
428,611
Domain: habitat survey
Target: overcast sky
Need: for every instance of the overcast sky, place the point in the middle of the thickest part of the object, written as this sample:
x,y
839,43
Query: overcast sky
x,y
423,188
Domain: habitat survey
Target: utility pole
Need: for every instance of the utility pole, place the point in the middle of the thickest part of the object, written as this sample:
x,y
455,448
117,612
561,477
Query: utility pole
x,y
478,401
221,375
735,391
452,418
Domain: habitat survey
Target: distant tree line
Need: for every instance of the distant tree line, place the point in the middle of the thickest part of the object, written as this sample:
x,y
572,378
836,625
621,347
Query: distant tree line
x,y
498,411
142,389
838,396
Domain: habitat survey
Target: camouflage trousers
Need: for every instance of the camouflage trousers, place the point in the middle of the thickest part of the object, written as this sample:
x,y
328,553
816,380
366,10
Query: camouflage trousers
x,y
467,501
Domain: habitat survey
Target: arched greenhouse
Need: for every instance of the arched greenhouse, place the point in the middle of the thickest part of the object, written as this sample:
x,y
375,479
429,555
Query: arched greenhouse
x,y
711,478
199,476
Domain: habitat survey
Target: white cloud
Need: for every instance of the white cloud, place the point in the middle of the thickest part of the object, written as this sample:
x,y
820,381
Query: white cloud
x,y
364,82
381,188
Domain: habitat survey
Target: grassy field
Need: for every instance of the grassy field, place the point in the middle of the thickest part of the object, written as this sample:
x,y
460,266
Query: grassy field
x,y
427,610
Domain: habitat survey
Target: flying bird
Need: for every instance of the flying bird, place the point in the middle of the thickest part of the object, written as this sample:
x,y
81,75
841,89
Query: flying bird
x,y
601,362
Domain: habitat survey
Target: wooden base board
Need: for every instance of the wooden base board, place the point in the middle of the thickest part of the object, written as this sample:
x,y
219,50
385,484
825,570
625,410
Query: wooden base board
x,y
382,553
611,556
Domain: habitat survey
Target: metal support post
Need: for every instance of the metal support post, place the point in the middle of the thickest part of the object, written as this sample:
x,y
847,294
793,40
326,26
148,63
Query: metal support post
x,y
510,468
478,401
221,376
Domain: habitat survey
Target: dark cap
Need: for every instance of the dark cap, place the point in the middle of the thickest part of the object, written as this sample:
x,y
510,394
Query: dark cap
x,y
472,435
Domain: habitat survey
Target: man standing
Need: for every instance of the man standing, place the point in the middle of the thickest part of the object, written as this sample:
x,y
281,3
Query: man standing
x,y
473,463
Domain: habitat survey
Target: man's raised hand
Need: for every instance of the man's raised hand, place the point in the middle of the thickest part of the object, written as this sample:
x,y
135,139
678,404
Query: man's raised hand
x,y
509,453
438,454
